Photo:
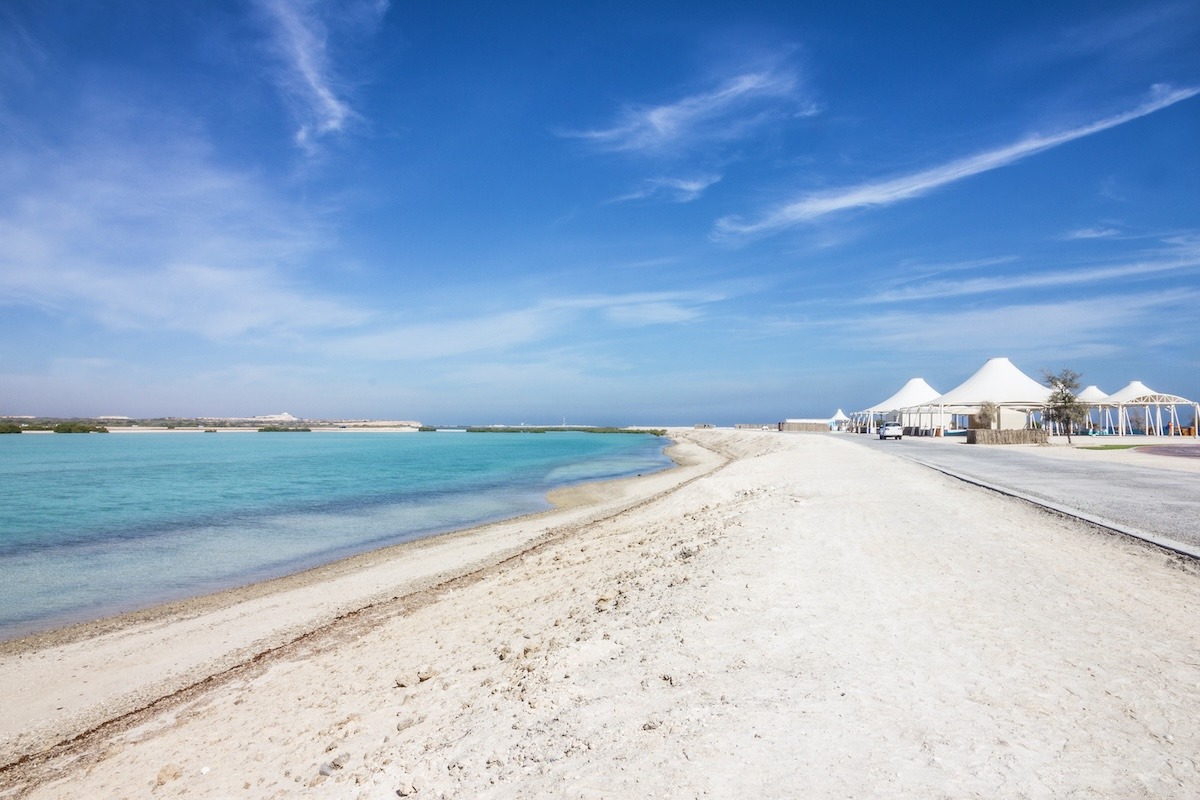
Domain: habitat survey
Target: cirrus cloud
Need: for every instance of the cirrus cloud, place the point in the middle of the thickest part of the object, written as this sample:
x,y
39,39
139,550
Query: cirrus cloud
x,y
305,71
729,111
816,205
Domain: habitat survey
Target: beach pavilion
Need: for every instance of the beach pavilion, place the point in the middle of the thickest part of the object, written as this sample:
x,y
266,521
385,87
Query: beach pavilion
x,y
913,393
998,381
1137,397
1097,401
1022,401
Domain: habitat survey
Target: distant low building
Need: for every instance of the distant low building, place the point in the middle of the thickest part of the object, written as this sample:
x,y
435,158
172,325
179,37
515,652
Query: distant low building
x,y
284,417
804,426
837,422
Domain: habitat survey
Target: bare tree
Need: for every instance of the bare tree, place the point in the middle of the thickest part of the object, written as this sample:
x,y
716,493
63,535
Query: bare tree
x,y
1064,406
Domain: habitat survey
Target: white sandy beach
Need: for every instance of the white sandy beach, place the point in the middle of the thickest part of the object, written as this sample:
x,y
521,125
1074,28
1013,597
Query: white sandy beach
x,y
783,616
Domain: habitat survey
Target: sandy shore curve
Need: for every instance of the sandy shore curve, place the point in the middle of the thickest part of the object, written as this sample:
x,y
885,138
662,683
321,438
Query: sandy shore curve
x,y
780,615
65,682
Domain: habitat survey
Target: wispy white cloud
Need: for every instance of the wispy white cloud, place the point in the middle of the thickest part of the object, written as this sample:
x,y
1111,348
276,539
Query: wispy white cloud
x,y
219,303
1092,233
153,236
1181,255
916,270
674,190
646,308
20,54
1119,38
1040,280
653,263
816,205
500,331
728,111
306,74
639,314
1103,321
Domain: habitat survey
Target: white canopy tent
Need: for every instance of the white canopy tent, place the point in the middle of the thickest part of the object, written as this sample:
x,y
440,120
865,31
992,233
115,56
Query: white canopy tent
x,y
1138,396
1092,395
1138,408
913,393
997,381
1097,400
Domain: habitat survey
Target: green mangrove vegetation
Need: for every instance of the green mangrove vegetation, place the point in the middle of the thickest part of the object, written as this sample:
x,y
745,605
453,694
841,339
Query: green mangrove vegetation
x,y
76,426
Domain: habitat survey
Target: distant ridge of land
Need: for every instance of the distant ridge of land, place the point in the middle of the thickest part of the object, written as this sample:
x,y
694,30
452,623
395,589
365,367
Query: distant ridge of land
x,y
285,421
19,424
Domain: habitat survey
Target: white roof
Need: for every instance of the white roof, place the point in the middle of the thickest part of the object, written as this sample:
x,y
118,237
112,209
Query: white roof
x,y
914,393
1138,392
997,381
1092,394
840,416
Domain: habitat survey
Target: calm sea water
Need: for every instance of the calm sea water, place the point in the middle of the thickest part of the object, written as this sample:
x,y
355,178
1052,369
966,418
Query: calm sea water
x,y
93,525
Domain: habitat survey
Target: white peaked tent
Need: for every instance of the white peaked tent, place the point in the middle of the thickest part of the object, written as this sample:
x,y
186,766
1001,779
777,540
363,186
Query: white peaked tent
x,y
1137,395
1097,400
1092,395
997,381
913,393
838,421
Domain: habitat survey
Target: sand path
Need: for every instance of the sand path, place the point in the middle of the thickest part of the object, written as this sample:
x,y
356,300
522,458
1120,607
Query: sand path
x,y
813,619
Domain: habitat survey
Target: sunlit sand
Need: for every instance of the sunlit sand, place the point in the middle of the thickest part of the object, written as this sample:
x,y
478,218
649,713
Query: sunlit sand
x,y
785,615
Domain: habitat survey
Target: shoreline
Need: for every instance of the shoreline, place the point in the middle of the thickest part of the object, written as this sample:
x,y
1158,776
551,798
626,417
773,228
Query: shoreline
x,y
347,586
83,622
791,610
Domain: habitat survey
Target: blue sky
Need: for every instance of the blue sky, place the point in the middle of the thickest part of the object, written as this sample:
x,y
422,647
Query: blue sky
x,y
632,213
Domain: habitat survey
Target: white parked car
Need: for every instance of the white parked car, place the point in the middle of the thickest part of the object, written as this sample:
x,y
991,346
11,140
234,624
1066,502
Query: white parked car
x,y
891,430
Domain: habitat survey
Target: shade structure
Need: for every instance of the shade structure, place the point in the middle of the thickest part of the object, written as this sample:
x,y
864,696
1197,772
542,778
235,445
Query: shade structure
x,y
1022,399
840,416
1099,410
997,381
1158,412
1136,391
913,393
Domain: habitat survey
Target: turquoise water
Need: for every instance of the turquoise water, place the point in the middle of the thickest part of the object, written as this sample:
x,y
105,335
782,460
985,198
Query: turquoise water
x,y
93,525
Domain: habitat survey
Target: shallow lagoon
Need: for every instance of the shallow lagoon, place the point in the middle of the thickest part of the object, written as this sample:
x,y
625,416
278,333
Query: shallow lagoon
x,y
95,525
